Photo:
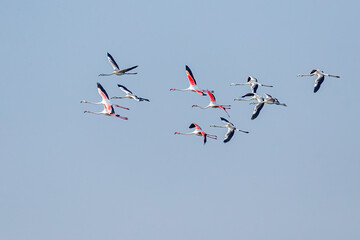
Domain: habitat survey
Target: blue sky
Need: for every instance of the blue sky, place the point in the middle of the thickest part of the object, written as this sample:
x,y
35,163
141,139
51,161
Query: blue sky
x,y
69,175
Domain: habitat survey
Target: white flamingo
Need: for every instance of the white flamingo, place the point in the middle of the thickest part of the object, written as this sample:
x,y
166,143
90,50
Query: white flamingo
x,y
320,77
230,129
116,68
129,94
253,82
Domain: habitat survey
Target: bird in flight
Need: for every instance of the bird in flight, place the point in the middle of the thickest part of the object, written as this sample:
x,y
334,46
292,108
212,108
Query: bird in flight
x,y
116,68
320,78
129,94
198,132
230,129
108,105
253,82
261,101
213,104
193,86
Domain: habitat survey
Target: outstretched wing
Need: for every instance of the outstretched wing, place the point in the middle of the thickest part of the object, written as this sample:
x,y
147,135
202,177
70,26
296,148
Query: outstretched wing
x,y
102,92
204,136
190,75
112,62
257,110
268,96
254,87
225,120
194,125
229,135
128,69
248,95
124,89
212,97
318,83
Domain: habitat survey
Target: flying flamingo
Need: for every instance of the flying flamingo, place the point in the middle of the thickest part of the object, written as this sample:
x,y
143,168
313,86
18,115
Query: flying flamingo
x,y
108,106
253,82
129,94
320,78
213,104
231,129
198,132
261,101
193,87
116,68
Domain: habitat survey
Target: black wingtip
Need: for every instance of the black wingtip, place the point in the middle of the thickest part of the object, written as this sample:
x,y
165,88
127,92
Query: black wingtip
x,y
192,125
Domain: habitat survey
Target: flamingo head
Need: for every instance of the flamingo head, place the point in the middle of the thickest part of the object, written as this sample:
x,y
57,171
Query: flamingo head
x,y
194,105
172,89
176,133
83,101
86,111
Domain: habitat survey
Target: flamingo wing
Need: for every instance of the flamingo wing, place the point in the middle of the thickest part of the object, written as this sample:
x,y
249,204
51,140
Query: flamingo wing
x,y
257,110
229,135
204,137
318,83
190,75
128,69
248,95
102,92
124,89
212,97
194,125
112,62
225,120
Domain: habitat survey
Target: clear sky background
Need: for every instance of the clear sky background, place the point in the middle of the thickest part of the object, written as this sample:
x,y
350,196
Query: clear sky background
x,y
69,175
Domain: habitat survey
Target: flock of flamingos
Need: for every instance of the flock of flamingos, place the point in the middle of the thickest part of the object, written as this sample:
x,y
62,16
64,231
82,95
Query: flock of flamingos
x,y
251,81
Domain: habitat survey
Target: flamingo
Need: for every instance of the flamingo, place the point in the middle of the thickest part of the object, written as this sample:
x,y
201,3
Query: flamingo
x,y
108,105
198,132
261,101
253,82
129,94
116,68
193,87
107,112
320,77
213,104
230,129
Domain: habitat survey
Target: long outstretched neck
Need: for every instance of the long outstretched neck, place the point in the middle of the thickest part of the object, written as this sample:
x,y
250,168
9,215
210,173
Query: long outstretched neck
x,y
191,133
304,75
201,107
106,74
242,99
238,84
98,113
217,126
175,89
97,103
